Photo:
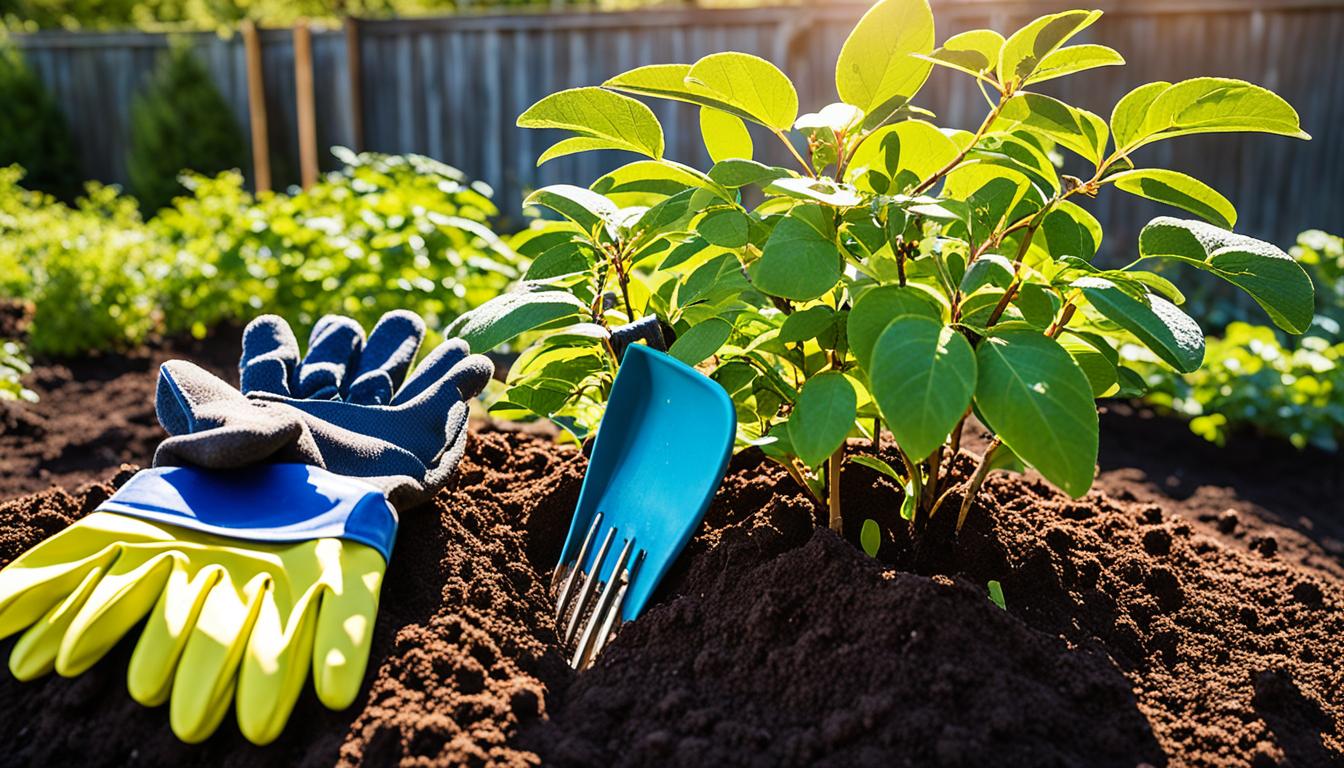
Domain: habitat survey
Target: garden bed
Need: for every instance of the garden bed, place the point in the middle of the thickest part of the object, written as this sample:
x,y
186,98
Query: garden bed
x,y
1188,612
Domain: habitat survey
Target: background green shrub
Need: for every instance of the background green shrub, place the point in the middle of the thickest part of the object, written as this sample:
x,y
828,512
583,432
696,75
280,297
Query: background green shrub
x,y
32,129
382,233
179,121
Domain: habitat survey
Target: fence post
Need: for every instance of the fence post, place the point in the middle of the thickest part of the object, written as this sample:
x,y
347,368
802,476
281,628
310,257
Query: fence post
x,y
355,70
256,109
306,109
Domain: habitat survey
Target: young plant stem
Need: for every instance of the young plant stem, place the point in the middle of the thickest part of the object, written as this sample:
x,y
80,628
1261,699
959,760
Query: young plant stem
x,y
797,475
977,480
1017,266
1065,315
794,151
877,434
833,489
955,444
979,134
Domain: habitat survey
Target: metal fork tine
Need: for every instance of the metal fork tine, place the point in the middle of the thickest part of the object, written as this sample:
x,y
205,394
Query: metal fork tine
x,y
614,613
589,586
598,617
572,570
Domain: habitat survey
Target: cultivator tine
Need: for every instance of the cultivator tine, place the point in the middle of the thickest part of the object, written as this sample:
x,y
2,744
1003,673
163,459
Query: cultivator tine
x,y
588,585
599,616
614,612
570,572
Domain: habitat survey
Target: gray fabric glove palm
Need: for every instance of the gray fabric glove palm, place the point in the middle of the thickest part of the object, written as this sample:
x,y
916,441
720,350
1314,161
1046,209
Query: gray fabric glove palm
x,y
348,405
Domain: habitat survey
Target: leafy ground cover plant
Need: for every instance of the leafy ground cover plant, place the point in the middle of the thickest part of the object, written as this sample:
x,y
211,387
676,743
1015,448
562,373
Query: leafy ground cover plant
x,y
14,365
897,273
1256,378
382,233
33,131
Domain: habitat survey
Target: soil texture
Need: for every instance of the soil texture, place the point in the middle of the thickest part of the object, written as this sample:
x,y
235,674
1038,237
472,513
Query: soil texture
x,y
1187,612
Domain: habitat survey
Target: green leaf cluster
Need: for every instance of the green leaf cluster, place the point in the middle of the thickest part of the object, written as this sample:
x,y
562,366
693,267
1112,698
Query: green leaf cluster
x,y
896,272
14,365
382,233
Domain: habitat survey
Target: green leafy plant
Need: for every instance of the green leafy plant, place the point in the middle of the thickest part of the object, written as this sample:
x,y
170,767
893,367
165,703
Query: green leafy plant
x,y
1252,381
897,273
32,129
179,122
382,233
14,365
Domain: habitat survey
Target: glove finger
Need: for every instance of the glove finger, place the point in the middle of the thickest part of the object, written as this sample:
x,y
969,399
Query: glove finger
x,y
207,675
345,623
386,358
333,347
432,369
275,667
122,598
150,674
189,398
270,356
34,654
46,574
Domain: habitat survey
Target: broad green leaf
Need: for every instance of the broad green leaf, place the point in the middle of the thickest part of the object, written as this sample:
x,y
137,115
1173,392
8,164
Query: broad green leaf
x,y
801,260
739,173
870,537
820,190
1176,188
724,227
837,118
876,71
646,182
1019,152
992,192
975,52
879,466
1075,58
822,417
1027,49
750,85
876,309
1277,283
701,341
1130,112
602,120
1100,371
1072,127
1038,401
990,269
507,315
564,259
922,377
668,81
1069,230
1215,105
726,136
806,324
910,145
1159,324
582,206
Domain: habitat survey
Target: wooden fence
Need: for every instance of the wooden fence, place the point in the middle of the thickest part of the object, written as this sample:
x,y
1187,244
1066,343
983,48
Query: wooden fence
x,y
452,87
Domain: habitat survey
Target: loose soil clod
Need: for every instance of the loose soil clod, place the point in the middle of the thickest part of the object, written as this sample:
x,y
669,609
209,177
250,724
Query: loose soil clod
x,y
1140,629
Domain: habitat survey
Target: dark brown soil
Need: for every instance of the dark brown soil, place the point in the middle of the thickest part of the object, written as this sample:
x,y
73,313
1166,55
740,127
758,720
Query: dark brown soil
x,y
1145,624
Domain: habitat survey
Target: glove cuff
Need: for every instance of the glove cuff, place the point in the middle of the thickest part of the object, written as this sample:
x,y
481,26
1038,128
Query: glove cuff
x,y
276,503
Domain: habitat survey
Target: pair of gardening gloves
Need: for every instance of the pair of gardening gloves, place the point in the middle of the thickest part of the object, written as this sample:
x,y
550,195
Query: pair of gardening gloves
x,y
254,550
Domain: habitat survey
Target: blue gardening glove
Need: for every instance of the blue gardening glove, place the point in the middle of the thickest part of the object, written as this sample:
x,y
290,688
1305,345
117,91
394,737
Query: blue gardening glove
x,y
252,555
347,406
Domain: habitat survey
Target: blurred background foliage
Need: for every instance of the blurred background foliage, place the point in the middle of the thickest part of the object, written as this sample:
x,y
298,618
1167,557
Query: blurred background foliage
x,y
384,232
33,131
179,122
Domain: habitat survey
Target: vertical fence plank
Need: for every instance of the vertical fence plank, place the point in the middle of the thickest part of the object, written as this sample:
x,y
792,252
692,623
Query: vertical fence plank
x,y
256,109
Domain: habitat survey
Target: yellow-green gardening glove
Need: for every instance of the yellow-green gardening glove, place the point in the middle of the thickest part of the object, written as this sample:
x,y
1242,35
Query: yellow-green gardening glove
x,y
255,549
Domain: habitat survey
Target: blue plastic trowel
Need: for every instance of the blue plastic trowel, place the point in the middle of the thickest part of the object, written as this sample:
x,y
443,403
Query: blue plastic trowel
x,y
661,452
